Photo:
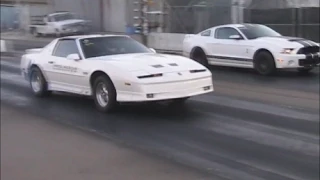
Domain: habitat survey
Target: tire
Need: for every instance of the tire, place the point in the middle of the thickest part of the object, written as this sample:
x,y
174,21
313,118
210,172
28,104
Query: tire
x,y
38,83
105,101
199,56
264,63
304,70
34,32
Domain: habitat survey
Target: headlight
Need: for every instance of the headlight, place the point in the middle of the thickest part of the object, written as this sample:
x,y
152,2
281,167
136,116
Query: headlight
x,y
287,51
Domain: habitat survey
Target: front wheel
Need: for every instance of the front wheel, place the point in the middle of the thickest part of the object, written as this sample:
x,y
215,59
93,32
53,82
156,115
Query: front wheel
x,y
264,63
104,94
199,56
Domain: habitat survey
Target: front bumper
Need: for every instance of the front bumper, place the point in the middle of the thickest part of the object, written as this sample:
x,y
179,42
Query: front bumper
x,y
297,60
167,91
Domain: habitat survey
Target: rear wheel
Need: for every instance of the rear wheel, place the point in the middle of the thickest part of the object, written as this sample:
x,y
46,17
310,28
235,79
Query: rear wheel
x,y
264,63
35,32
38,83
104,94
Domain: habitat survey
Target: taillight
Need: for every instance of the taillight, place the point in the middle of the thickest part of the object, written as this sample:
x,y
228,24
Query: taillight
x,y
150,76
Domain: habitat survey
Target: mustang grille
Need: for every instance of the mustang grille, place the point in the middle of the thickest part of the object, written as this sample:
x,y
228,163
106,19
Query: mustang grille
x,y
309,50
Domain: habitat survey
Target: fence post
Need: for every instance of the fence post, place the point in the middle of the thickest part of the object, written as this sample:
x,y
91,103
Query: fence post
x,y
299,22
143,24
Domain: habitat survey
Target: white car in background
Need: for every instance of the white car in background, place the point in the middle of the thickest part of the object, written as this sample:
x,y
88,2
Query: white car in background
x,y
58,23
251,46
112,69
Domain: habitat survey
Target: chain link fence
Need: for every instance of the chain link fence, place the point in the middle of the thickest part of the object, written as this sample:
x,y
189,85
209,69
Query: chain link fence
x,y
288,19
195,17
301,22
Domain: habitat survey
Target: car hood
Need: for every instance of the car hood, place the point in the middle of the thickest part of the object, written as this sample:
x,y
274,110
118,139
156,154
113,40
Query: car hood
x,y
287,42
151,62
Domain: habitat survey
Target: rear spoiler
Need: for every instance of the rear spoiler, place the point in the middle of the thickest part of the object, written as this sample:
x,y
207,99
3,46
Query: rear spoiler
x,y
34,50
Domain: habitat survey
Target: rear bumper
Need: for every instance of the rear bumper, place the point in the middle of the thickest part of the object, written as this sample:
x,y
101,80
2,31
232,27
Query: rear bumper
x,y
298,60
167,91
75,30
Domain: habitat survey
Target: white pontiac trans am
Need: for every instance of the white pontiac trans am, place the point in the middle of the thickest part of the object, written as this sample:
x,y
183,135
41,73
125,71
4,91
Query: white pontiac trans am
x,y
251,46
112,69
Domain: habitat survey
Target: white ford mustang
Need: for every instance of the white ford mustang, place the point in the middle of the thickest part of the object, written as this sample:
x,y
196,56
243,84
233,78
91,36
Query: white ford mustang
x,y
112,69
251,46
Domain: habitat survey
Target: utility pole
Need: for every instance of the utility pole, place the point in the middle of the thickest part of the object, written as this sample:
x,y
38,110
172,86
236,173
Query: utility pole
x,y
142,27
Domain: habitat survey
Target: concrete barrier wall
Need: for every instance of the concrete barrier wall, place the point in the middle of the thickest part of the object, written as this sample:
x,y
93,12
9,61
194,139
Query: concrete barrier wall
x,y
6,46
161,42
3,47
166,41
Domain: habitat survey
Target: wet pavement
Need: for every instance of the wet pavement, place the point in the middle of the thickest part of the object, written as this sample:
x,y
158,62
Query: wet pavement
x,y
252,127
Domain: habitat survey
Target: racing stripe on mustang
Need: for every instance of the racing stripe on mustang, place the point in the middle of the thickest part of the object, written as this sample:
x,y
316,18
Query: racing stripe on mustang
x,y
313,43
229,58
302,41
305,44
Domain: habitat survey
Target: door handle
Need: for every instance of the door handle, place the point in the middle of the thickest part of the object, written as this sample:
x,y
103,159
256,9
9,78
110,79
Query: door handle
x,y
51,62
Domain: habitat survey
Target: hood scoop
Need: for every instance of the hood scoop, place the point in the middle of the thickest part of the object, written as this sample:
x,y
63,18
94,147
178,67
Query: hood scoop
x,y
157,66
173,64
161,66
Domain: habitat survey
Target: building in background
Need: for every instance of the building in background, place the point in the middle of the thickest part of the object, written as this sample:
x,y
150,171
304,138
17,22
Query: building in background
x,y
183,16
15,14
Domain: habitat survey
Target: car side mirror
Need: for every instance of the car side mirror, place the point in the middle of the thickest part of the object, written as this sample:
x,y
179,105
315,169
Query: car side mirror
x,y
153,50
74,57
235,37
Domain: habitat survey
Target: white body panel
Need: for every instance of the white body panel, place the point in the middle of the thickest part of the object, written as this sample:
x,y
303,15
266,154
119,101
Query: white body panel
x,y
240,53
74,76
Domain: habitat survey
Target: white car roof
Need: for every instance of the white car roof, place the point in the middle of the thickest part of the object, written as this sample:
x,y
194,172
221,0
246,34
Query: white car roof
x,y
234,25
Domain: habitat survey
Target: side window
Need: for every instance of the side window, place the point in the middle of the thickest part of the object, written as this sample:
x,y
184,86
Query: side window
x,y
65,47
226,32
206,33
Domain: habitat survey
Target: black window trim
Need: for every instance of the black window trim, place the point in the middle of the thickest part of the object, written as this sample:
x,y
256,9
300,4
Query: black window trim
x,y
65,39
216,30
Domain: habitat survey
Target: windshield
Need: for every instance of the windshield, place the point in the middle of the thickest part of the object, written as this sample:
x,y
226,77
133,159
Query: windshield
x,y
63,17
256,31
104,46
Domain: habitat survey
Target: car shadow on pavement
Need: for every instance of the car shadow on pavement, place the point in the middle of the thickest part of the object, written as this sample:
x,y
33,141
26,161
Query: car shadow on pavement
x,y
134,111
